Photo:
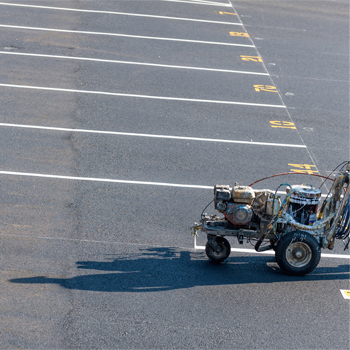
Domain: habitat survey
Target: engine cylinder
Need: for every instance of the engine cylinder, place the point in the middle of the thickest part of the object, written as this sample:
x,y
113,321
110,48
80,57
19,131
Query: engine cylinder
x,y
239,214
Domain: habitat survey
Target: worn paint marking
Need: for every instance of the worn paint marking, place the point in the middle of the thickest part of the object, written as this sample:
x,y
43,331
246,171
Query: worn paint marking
x,y
282,124
246,35
303,168
251,58
269,88
345,293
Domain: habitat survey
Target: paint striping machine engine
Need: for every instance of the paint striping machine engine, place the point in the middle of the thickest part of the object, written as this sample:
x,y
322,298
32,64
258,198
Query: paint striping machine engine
x,y
296,228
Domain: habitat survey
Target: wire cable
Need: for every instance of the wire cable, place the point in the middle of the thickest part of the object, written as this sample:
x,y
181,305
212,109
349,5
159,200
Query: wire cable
x,y
206,207
341,164
344,225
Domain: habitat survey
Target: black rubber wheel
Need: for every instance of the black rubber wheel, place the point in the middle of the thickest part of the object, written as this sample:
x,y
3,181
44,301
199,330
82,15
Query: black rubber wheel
x,y
298,253
274,244
225,250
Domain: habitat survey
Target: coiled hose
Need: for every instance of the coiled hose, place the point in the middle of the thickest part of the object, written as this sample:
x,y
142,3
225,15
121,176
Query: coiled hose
x,y
344,225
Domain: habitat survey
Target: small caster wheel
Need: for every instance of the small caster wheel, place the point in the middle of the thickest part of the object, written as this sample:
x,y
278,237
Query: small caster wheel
x,y
225,250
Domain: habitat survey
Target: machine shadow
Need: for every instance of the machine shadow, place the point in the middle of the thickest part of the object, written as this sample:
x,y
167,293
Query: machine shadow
x,y
162,269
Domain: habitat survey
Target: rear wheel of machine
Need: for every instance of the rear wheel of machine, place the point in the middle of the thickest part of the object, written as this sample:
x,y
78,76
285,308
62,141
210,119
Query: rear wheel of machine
x,y
298,253
273,244
225,250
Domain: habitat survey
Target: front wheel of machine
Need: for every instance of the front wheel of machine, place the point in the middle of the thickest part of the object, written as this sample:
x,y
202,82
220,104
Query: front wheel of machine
x,y
221,256
298,253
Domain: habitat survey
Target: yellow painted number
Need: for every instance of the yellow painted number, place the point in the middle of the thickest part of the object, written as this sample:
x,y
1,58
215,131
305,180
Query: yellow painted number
x,y
304,168
282,124
268,88
227,13
251,58
239,34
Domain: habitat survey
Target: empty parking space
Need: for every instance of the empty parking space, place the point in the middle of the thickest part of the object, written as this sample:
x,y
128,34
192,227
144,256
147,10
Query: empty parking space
x,y
178,118
128,23
130,157
113,75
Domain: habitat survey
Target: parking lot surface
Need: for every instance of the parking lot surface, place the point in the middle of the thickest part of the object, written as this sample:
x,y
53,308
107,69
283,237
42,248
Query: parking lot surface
x,y
117,119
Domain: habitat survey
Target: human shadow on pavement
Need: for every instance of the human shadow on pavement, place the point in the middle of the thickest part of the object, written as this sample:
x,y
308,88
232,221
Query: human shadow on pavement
x,y
160,269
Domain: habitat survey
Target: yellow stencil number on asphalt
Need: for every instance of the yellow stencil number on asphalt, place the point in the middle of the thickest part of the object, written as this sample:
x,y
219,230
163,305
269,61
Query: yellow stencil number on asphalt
x,y
269,88
239,34
282,124
303,168
251,58
227,13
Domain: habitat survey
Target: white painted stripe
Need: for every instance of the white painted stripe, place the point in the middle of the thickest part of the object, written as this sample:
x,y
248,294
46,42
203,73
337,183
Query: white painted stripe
x,y
13,235
345,293
131,63
141,96
269,252
130,182
335,256
237,250
117,13
200,2
125,35
151,135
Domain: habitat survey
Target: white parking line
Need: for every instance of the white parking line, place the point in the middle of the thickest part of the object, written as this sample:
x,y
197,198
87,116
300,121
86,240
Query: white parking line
x,y
200,2
13,235
124,35
117,13
151,135
129,62
141,96
237,250
92,179
130,182
253,251
345,293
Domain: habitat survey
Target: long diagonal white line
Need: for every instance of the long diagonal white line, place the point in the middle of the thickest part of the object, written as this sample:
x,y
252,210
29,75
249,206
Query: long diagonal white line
x,y
117,133
94,179
200,2
117,13
37,237
130,63
124,35
141,96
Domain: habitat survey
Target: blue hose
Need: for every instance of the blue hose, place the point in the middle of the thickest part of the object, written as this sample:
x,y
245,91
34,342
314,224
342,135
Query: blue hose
x,y
344,225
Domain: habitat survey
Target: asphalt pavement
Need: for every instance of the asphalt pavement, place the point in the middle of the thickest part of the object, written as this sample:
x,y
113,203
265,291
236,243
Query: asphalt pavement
x,y
117,118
